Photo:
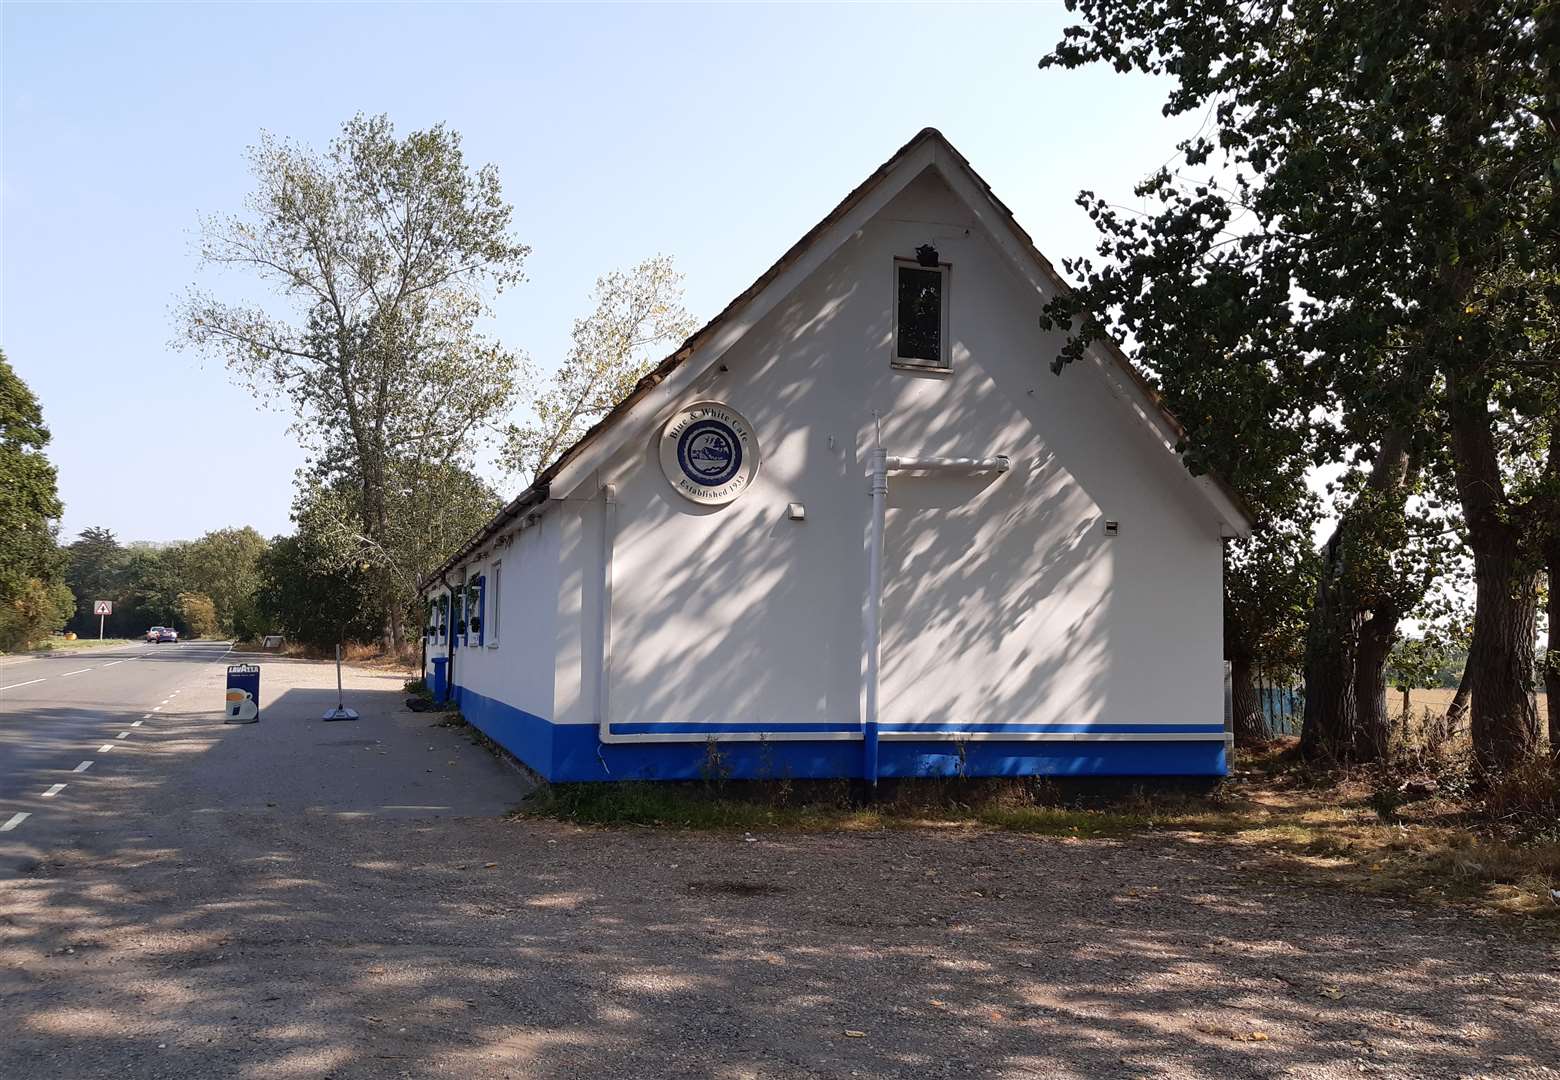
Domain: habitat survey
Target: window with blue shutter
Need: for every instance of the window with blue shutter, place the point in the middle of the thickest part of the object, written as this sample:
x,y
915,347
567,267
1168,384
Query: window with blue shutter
x,y
481,609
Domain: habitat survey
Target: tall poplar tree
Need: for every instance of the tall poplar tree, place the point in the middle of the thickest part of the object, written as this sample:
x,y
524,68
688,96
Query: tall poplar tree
x,y
387,250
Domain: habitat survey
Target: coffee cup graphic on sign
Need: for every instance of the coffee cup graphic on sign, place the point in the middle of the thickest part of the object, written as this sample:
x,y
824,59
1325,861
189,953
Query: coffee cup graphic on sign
x,y
241,705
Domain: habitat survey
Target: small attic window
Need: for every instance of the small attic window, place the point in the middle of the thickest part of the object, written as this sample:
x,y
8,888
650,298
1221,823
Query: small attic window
x,y
920,314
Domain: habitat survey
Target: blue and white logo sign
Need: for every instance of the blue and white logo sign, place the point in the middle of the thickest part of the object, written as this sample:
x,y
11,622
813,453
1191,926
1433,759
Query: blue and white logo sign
x,y
709,453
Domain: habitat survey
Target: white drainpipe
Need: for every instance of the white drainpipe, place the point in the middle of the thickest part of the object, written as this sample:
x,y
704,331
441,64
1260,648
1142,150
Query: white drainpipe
x,y
882,465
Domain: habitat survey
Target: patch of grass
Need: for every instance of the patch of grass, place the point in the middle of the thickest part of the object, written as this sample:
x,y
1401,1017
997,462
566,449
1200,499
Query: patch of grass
x,y
1280,818
693,805
59,644
1026,806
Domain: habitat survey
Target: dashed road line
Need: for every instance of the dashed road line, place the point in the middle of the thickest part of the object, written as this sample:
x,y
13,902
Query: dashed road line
x,y
137,723
53,791
78,671
157,709
122,735
83,767
14,685
14,820
105,748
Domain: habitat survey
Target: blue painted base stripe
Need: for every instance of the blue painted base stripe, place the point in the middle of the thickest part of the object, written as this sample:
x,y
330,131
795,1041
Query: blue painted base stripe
x,y
1017,729
723,729
1081,729
568,752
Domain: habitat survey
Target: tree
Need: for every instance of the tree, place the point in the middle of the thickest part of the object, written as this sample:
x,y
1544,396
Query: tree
x,y
431,510
31,586
150,583
1385,160
638,314
199,614
95,572
223,566
1268,582
309,605
387,249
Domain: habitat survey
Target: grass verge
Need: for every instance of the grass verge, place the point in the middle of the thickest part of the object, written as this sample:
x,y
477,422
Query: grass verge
x,y
1273,814
62,645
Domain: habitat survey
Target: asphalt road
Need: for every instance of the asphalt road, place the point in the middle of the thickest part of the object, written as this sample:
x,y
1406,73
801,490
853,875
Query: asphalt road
x,y
69,722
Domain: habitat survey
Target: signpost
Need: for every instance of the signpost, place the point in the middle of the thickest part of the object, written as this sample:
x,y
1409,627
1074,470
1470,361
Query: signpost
x,y
243,694
102,608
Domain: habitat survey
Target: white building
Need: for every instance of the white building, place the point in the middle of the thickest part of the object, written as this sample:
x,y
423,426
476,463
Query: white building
x,y
690,589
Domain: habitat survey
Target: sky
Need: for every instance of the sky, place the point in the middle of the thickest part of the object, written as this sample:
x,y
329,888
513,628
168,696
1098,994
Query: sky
x,y
714,134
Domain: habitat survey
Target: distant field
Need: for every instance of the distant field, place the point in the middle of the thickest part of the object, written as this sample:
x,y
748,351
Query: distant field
x,y
1439,699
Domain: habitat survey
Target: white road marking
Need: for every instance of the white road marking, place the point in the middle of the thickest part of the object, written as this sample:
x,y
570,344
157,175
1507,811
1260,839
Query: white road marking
x,y
125,660
14,685
138,723
53,791
157,708
83,767
105,748
122,735
78,671
13,821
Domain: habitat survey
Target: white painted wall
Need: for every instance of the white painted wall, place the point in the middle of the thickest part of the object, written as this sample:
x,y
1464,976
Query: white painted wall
x,y
1003,600
518,668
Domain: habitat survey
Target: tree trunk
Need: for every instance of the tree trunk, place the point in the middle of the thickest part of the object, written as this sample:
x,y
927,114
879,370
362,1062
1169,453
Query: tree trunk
x,y
1501,657
1331,638
1333,676
1552,654
1459,706
1372,733
1247,720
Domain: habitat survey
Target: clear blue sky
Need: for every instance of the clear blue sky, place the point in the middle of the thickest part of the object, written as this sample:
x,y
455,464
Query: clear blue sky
x,y
717,135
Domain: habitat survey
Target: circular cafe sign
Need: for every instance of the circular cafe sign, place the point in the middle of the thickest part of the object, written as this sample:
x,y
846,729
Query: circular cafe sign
x,y
709,453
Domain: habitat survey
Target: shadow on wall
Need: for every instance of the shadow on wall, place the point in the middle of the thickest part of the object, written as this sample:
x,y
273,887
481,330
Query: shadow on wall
x,y
998,597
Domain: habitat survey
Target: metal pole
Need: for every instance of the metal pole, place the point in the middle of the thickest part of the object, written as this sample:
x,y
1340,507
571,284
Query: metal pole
x,y
339,702
100,626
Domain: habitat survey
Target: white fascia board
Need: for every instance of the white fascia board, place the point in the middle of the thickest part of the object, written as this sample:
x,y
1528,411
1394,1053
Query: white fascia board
x,y
642,415
1232,521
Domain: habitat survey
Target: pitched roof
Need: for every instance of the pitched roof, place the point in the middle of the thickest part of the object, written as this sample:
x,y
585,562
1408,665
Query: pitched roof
x,y
538,492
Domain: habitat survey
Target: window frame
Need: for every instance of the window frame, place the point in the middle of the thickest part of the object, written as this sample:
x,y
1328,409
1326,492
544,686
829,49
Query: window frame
x,y
944,346
492,620
471,599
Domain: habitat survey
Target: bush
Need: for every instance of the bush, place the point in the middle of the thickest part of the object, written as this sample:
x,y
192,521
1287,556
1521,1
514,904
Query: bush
x,y
199,613
36,611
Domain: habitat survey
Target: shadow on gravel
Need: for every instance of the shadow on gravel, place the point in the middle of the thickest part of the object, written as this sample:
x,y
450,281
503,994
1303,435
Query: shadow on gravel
x,y
376,951
249,940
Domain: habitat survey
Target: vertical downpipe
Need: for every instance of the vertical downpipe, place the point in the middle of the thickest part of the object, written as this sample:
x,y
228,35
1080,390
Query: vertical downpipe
x,y
604,669
869,720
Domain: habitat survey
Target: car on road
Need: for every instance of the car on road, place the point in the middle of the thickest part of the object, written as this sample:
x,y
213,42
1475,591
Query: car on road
x,y
158,634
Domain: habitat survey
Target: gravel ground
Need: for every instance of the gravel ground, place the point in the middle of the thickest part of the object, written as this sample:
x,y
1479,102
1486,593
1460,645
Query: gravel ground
x,y
189,935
